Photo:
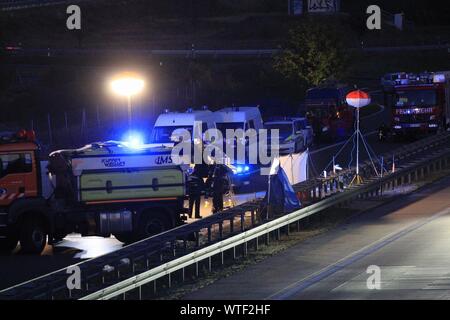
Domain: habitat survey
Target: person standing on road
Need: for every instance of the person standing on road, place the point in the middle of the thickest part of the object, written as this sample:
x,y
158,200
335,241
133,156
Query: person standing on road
x,y
218,188
196,187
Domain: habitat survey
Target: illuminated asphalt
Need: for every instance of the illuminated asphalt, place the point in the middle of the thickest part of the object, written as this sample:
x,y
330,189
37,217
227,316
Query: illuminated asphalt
x,y
408,239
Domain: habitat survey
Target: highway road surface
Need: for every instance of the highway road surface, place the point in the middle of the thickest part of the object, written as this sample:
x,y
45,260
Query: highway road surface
x,y
408,239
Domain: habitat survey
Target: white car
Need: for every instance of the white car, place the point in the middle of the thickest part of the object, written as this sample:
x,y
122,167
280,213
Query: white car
x,y
295,134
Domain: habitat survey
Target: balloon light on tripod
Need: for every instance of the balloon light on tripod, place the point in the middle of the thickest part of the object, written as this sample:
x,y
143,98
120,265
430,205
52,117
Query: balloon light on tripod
x,y
358,99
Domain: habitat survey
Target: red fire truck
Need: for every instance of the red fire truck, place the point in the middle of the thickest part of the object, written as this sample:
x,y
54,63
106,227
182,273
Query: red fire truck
x,y
419,103
328,112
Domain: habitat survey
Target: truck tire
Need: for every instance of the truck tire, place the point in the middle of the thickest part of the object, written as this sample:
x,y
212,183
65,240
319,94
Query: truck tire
x,y
125,238
152,224
33,235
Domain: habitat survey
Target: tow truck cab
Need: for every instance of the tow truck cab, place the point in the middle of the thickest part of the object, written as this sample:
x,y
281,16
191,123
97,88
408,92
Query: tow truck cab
x,y
21,191
100,189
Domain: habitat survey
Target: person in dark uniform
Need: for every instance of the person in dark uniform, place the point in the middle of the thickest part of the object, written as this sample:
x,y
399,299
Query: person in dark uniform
x,y
218,188
196,187
383,131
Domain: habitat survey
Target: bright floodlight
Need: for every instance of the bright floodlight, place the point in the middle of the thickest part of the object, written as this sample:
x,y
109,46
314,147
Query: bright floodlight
x,y
127,85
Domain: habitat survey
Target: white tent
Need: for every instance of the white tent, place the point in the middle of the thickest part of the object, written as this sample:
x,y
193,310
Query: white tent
x,y
295,166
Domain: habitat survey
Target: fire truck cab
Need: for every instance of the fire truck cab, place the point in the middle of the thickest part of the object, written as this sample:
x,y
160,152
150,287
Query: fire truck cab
x,y
328,112
419,103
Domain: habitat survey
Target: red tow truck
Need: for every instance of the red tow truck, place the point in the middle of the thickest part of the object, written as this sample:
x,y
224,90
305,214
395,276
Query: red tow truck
x,y
101,189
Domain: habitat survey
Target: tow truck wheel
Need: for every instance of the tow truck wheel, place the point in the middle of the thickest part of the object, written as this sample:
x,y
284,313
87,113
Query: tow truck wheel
x,y
152,224
33,235
125,238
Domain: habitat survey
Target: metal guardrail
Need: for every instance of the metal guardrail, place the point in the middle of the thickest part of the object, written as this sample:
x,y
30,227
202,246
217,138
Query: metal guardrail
x,y
207,252
159,256
315,189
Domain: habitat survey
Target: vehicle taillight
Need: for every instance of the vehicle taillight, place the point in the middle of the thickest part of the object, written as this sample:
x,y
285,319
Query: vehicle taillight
x,y
28,135
21,134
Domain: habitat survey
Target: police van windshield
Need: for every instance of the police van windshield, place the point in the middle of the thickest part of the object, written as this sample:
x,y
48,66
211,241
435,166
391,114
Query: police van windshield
x,y
163,134
409,98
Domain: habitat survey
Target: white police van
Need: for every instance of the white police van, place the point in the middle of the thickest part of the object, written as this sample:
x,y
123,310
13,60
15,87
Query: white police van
x,y
170,122
244,118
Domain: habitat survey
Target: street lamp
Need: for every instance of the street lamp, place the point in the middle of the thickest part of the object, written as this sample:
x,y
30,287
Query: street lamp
x,y
127,84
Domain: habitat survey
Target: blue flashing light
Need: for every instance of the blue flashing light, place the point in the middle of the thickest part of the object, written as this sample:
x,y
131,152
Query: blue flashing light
x,y
133,140
242,169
